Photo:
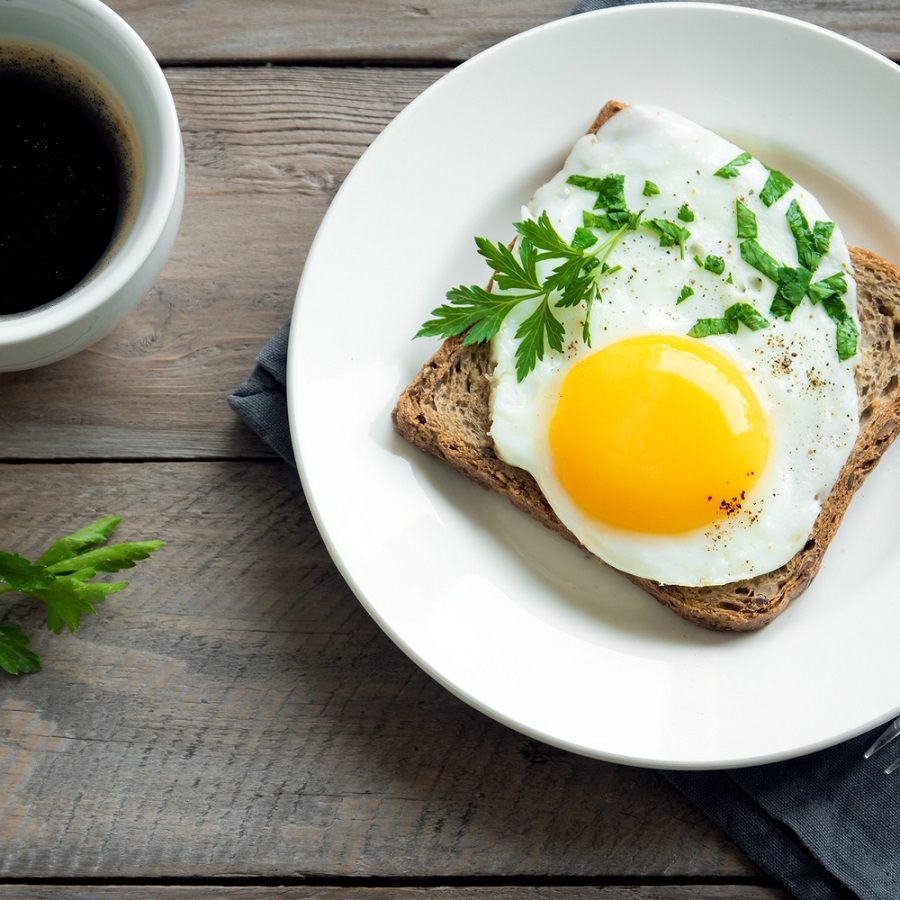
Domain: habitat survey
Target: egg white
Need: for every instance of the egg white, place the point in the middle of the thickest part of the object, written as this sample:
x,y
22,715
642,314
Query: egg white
x,y
808,395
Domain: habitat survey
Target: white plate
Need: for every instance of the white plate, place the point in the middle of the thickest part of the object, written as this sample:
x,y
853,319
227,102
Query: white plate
x,y
507,616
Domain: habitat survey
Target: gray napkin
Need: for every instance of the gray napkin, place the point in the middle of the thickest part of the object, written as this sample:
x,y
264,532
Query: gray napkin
x,y
261,401
826,826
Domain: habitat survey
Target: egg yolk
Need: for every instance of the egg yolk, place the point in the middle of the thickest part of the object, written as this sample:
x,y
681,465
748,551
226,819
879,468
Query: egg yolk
x,y
658,434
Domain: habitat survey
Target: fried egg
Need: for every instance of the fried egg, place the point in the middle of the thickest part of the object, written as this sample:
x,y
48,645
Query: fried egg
x,y
686,460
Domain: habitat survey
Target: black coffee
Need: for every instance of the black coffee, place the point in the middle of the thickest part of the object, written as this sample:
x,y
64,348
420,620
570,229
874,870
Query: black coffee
x,y
62,178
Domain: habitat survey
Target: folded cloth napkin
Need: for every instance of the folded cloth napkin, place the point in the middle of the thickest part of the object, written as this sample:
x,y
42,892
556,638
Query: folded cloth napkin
x,y
825,825
261,400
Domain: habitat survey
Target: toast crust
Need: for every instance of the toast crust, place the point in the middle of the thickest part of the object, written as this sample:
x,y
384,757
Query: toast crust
x,y
445,412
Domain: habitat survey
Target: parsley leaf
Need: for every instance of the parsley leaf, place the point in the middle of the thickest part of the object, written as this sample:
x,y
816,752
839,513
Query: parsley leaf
x,y
105,559
610,192
650,189
754,255
828,292
473,310
14,658
847,337
21,575
807,250
746,221
686,291
62,579
776,186
71,595
685,214
714,264
539,327
736,315
72,544
826,288
510,274
792,285
747,315
545,238
822,232
670,234
730,170
812,243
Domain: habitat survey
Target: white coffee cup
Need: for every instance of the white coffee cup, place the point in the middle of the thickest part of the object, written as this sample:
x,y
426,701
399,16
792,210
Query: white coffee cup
x,y
101,42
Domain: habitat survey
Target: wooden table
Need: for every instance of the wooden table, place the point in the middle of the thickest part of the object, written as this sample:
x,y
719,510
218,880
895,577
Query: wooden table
x,y
235,721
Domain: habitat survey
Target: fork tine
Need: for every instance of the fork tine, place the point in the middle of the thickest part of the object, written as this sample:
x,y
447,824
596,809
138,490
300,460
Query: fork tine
x,y
892,731
894,765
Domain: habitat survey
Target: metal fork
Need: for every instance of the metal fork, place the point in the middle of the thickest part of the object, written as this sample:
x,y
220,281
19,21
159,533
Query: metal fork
x,y
892,731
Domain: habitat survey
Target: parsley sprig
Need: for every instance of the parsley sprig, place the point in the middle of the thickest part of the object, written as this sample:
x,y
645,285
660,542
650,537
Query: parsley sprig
x,y
478,312
62,579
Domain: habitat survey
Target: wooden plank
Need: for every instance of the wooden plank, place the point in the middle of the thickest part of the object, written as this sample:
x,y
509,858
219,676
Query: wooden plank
x,y
542,892
266,153
448,31
235,713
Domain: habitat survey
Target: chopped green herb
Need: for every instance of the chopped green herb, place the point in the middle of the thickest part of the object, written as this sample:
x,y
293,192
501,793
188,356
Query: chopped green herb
x,y
686,214
610,192
754,255
812,243
776,186
62,578
686,291
736,315
792,285
669,233
650,189
746,221
807,251
832,286
714,264
828,291
822,232
604,222
730,170
847,337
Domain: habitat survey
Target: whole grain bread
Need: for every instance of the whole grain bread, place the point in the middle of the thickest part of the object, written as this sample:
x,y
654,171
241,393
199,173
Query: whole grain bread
x,y
445,412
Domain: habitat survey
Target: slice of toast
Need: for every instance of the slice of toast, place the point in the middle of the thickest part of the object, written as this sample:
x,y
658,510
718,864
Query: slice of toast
x,y
446,413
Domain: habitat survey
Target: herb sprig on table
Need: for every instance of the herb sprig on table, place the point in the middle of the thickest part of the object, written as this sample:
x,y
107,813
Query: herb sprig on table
x,y
62,578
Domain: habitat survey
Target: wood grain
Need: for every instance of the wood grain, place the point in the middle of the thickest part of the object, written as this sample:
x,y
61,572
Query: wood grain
x,y
669,891
265,154
449,31
236,713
